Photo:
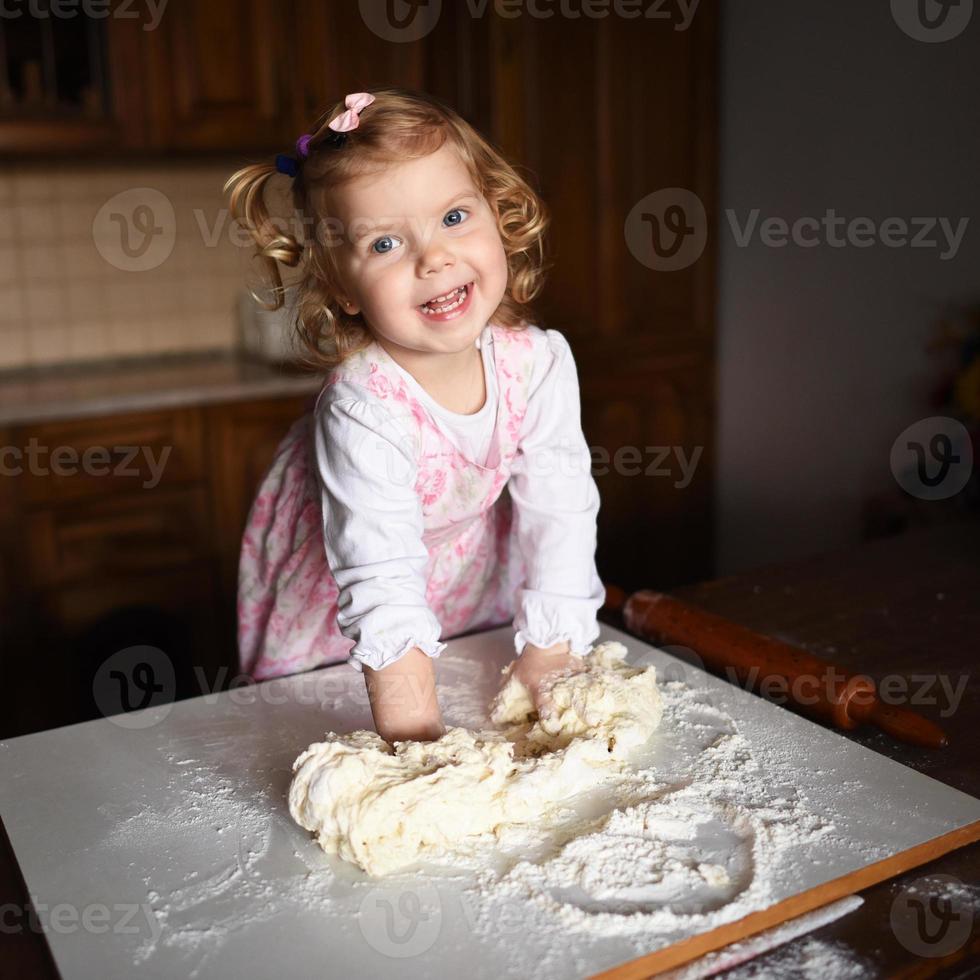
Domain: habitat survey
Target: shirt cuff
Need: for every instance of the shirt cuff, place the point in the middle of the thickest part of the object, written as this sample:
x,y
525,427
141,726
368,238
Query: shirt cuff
x,y
545,622
378,658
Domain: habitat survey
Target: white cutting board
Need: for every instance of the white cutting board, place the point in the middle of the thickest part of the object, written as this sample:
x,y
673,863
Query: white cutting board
x,y
170,851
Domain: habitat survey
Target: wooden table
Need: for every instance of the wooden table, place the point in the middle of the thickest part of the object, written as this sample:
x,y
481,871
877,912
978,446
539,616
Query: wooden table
x,y
905,606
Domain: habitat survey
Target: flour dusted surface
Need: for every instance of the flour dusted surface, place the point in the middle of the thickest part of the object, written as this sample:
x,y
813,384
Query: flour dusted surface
x,y
697,828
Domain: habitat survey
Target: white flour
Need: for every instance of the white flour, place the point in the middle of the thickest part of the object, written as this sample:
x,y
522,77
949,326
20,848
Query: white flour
x,y
810,958
697,837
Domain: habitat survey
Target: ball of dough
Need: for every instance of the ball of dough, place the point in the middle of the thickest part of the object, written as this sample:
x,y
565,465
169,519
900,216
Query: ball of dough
x,y
384,808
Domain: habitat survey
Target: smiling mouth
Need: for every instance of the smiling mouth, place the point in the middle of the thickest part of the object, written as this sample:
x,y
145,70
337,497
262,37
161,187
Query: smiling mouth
x,y
447,302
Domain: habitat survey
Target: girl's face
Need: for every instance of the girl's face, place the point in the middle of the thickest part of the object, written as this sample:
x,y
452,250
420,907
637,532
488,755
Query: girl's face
x,y
415,233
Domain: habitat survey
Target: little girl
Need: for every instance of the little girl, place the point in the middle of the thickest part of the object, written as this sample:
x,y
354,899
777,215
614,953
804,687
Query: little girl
x,y
442,483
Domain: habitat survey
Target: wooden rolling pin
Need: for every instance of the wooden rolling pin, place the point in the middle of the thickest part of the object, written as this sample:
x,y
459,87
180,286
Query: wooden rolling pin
x,y
817,687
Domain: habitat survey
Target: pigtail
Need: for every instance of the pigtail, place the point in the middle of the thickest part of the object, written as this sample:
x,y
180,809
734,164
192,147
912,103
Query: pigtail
x,y
273,245
324,334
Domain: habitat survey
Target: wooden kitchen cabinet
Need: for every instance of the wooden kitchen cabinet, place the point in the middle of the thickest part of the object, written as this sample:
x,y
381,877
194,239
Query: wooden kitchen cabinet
x,y
334,51
212,76
219,76
134,453
242,439
222,76
118,538
96,562
72,84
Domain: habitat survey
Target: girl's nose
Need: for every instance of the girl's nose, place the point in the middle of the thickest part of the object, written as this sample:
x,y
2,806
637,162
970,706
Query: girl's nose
x,y
434,258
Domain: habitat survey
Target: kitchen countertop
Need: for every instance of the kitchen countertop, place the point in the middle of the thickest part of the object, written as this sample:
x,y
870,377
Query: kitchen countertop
x,y
109,387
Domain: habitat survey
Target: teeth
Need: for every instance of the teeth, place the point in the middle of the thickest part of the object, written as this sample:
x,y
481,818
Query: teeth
x,y
459,293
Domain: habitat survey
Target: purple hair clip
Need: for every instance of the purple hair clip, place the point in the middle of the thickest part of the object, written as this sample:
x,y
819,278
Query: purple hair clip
x,y
288,165
340,125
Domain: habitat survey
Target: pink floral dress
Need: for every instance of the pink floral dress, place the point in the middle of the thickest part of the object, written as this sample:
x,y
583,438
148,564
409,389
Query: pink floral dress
x,y
287,596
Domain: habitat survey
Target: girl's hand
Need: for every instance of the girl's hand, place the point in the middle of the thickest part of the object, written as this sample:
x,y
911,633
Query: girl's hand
x,y
537,664
403,699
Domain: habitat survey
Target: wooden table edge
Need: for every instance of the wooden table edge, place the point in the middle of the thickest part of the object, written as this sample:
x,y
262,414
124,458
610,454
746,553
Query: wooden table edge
x,y
830,891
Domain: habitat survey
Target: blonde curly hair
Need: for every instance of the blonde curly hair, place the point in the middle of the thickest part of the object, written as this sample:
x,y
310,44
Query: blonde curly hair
x,y
399,125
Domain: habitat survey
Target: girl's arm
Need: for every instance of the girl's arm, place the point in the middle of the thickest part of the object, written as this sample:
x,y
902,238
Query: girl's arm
x,y
372,533
556,503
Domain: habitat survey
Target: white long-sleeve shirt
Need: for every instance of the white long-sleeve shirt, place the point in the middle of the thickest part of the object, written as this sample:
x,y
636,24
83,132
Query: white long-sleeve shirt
x,y
372,517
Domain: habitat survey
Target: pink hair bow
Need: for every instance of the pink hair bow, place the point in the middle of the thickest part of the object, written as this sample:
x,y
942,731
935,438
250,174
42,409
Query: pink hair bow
x,y
348,120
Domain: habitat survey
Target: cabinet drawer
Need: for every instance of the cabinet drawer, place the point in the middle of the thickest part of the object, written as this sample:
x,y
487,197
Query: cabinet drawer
x,y
93,457
118,537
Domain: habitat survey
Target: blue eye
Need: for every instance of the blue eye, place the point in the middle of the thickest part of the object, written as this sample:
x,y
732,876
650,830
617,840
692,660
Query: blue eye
x,y
384,251
456,211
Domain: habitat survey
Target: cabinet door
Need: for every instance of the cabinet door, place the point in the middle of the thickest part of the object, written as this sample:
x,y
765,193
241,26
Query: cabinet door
x,y
71,84
95,457
220,76
345,47
242,442
79,626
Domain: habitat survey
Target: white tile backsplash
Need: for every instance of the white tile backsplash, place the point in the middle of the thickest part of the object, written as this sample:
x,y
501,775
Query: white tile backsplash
x,y
61,301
